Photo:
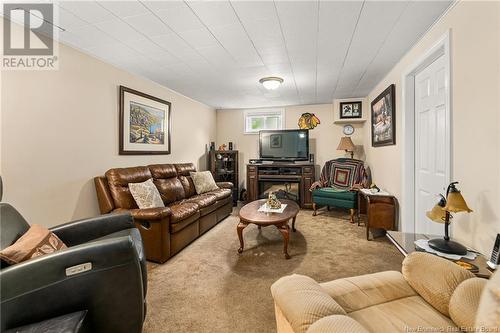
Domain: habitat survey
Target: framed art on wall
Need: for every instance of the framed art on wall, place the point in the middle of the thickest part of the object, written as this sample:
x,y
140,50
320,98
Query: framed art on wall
x,y
350,110
383,115
145,124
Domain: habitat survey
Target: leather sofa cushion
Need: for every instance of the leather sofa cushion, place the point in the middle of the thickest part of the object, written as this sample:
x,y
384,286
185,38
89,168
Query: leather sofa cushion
x,y
118,180
203,200
188,185
183,169
162,170
221,193
171,189
182,211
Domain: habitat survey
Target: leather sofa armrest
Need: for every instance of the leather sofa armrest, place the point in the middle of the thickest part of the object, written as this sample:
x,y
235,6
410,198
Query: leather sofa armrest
x,y
336,324
148,214
434,278
227,185
302,301
40,287
50,269
82,231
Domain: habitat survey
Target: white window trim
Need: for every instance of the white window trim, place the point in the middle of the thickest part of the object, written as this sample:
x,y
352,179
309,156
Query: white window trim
x,y
263,112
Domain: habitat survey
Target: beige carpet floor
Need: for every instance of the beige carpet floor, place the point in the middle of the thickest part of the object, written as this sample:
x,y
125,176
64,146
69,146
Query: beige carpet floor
x,y
209,287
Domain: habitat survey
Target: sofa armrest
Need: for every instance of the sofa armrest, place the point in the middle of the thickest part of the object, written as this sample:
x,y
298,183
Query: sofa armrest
x,y
434,278
148,214
302,301
227,185
50,269
336,324
41,288
82,231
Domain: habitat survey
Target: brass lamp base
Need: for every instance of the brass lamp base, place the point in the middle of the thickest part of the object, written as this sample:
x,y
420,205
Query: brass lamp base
x,y
447,246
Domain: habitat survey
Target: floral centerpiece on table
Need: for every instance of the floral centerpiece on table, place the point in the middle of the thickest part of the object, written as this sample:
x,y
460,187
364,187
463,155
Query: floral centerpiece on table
x,y
273,202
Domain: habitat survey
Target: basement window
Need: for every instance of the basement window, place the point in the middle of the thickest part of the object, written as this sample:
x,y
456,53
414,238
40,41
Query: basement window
x,y
263,119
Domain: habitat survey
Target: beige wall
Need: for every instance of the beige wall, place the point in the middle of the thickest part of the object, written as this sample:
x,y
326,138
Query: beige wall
x,y
475,43
60,129
323,139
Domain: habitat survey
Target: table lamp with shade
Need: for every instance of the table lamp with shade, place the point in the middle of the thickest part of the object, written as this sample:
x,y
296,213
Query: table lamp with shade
x,y
441,213
347,145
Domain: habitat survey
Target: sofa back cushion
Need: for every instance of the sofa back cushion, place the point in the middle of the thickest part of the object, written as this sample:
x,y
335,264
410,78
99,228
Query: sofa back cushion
x,y
165,179
118,180
183,172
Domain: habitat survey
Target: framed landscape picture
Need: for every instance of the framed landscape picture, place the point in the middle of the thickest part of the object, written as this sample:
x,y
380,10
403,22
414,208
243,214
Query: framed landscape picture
x,y
350,110
384,118
145,124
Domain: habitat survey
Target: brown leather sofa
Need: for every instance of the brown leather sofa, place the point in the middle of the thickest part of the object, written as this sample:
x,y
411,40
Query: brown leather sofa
x,y
186,215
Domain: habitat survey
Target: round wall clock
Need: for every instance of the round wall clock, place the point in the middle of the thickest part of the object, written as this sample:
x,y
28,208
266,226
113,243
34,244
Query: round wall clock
x,y
348,129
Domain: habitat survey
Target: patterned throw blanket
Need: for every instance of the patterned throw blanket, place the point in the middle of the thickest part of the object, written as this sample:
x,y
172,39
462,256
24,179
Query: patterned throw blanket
x,y
343,174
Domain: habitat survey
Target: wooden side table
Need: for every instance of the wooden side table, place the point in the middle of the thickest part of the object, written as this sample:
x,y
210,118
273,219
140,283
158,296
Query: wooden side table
x,y
380,211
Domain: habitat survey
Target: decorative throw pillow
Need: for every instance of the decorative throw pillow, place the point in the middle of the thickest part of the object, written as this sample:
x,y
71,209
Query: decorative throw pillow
x,y
343,175
37,241
203,181
146,194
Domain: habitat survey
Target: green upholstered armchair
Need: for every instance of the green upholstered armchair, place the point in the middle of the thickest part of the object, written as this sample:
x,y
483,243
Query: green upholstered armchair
x,y
340,178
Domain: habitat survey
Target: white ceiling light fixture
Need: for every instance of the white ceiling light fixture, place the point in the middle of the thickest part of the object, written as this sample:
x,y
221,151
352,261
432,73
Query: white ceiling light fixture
x,y
271,82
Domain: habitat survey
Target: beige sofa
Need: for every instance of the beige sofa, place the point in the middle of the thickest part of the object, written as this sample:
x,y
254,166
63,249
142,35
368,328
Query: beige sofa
x,y
431,295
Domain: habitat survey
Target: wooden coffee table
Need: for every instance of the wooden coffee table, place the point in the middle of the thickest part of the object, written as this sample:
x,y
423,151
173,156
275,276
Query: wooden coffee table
x,y
249,214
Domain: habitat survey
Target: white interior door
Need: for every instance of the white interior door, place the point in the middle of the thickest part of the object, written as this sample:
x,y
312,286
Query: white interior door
x,y
431,119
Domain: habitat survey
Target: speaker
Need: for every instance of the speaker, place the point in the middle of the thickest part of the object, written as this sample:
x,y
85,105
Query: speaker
x,y
311,158
230,145
212,145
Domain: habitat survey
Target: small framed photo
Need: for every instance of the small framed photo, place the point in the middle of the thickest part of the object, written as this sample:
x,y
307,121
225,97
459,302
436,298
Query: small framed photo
x,y
145,124
350,110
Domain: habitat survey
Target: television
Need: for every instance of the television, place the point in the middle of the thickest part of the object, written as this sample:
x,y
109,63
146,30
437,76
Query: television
x,y
284,145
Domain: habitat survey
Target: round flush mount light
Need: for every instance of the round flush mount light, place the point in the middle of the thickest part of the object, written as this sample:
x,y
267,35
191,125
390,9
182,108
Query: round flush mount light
x,y
271,82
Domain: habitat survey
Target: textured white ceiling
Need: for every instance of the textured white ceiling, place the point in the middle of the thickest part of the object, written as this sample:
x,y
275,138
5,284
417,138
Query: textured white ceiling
x,y
216,51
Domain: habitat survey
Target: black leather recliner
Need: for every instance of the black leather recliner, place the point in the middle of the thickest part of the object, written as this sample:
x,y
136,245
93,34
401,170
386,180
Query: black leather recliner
x,y
113,291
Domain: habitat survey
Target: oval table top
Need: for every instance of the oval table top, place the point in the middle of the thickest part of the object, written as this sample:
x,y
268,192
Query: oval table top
x,y
250,214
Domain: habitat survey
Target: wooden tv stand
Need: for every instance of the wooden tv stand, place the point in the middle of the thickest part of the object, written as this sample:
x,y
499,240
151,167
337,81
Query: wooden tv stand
x,y
301,173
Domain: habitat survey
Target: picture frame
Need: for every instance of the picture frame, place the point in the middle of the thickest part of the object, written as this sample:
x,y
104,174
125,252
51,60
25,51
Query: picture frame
x,y
383,118
144,124
350,110
275,141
